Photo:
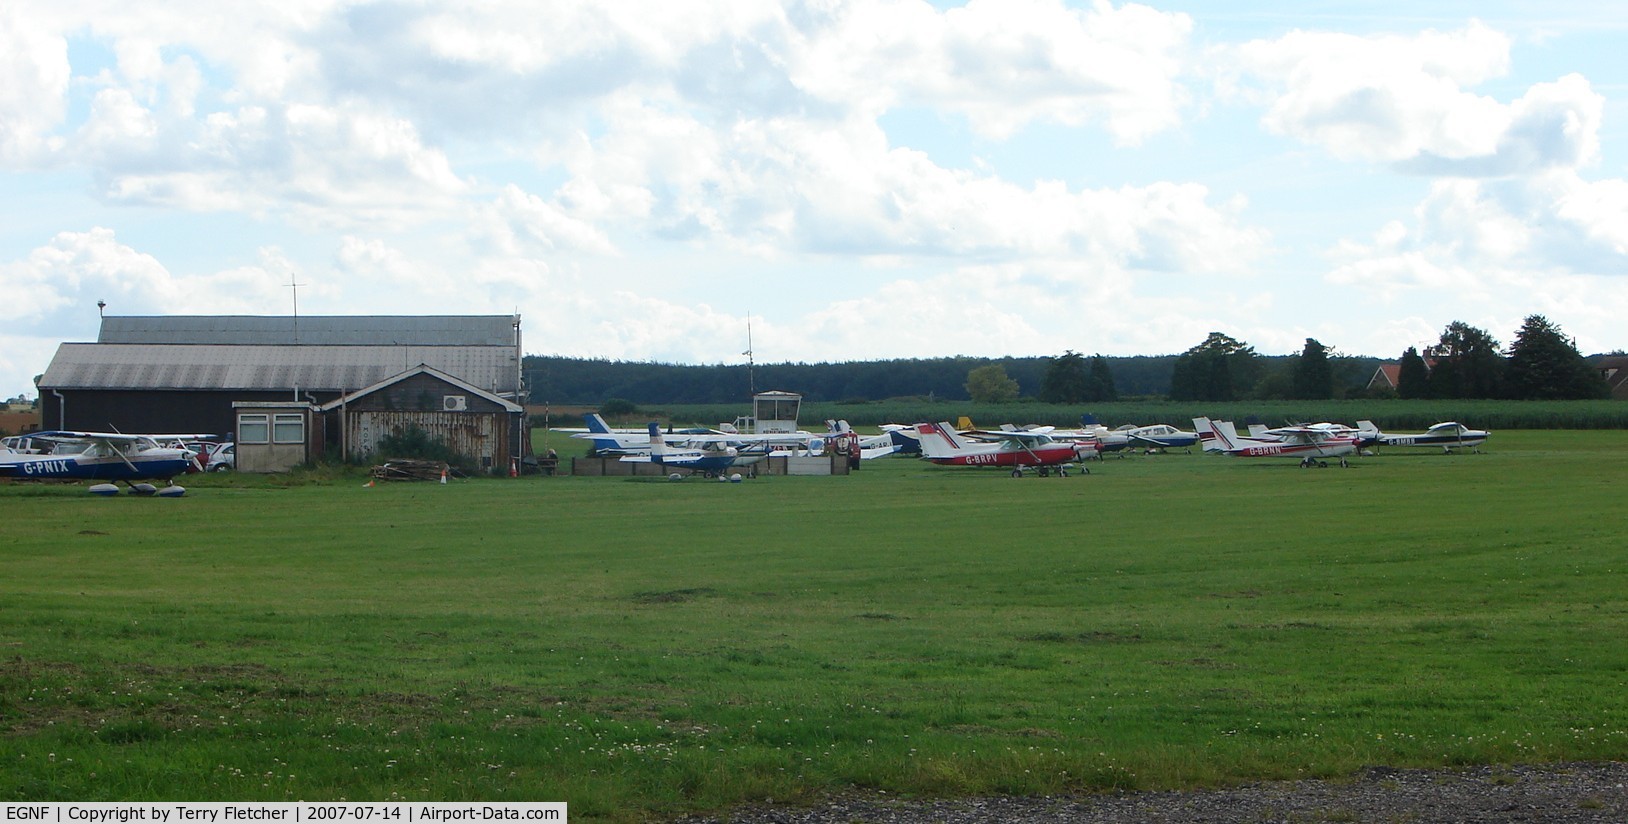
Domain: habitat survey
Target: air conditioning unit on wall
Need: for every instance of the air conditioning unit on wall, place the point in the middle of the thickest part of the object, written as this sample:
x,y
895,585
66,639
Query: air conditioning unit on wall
x,y
454,403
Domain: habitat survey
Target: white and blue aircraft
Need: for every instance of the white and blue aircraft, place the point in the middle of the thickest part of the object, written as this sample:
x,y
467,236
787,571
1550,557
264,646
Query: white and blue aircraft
x,y
1447,435
100,456
711,462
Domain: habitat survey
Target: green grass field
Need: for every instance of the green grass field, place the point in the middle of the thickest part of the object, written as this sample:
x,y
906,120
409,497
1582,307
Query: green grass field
x,y
641,648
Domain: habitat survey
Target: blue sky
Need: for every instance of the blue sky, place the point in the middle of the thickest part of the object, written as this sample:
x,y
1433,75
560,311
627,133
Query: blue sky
x,y
864,180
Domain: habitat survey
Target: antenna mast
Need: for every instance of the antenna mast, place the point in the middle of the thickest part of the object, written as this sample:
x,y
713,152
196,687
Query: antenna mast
x,y
295,288
751,376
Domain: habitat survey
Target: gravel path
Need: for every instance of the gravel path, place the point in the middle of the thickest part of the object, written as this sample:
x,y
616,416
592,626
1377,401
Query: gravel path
x,y
1582,793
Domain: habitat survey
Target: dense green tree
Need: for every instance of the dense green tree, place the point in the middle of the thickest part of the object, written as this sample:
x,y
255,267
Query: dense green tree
x,y
1214,370
1066,379
1100,386
1412,376
1544,364
1276,382
990,384
1468,364
1313,377
618,408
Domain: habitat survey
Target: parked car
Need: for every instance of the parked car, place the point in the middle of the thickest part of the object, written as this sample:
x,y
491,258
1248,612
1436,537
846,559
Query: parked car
x,y
223,459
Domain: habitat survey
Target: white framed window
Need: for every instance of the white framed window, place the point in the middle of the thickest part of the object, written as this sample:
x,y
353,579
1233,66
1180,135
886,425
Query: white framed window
x,y
288,428
253,428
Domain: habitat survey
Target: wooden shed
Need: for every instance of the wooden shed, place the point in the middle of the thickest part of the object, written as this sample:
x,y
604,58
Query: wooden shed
x,y
464,418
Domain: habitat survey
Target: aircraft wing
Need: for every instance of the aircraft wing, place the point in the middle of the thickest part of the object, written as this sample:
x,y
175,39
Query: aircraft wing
x,y
1298,434
1008,432
1027,438
100,437
107,437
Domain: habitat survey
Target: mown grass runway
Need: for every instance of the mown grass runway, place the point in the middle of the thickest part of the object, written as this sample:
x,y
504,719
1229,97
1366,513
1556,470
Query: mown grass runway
x,y
641,648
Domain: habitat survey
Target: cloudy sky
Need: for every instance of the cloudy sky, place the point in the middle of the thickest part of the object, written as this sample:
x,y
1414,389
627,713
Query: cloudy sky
x,y
870,179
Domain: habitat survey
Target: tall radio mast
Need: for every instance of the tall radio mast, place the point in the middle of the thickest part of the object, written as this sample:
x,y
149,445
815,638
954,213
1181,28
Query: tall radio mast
x,y
751,376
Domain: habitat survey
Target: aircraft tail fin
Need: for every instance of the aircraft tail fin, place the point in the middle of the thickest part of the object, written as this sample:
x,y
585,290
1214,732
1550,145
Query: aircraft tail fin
x,y
597,426
1207,437
1226,434
963,423
1367,428
658,446
938,440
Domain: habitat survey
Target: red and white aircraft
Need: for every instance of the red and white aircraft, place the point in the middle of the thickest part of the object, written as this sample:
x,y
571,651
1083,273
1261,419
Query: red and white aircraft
x,y
1019,449
1311,444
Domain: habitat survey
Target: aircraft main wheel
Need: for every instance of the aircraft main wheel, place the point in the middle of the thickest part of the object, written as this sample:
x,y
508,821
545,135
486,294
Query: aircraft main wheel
x,y
1017,473
1322,464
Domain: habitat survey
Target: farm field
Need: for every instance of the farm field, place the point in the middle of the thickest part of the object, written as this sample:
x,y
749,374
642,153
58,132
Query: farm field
x,y
643,649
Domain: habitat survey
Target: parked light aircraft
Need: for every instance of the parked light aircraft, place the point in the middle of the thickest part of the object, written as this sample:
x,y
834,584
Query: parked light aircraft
x,y
1260,432
99,456
1308,443
608,441
1157,436
1087,443
1019,449
1448,435
904,438
710,462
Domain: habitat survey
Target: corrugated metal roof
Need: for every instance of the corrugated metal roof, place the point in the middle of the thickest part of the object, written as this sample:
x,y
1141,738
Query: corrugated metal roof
x,y
314,368
321,330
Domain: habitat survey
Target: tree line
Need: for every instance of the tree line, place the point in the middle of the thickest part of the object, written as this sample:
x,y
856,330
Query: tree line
x,y
1542,363
1467,363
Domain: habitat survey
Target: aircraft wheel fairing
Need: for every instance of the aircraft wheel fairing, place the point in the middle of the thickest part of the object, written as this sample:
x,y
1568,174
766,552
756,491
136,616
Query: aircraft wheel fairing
x,y
143,489
104,490
172,491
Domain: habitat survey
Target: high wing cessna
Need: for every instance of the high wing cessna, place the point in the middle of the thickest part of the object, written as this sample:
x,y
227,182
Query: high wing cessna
x,y
1310,444
1365,438
100,456
711,462
1088,442
608,441
1018,448
1448,435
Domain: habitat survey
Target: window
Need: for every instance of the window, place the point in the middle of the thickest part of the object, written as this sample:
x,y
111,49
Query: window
x,y
253,428
288,429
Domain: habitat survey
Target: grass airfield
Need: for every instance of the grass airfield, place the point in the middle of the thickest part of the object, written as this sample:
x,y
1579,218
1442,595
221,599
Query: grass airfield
x,y
642,649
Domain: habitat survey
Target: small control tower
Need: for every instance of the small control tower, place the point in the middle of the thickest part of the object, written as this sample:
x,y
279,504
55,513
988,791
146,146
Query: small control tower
x,y
775,412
